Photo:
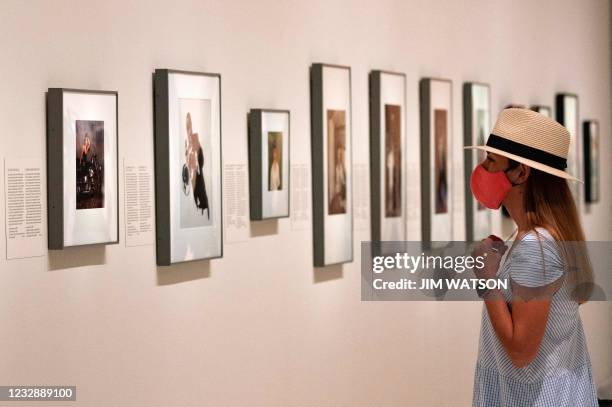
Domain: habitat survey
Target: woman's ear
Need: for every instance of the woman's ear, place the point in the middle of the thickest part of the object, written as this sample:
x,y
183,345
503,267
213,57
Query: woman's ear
x,y
519,174
523,174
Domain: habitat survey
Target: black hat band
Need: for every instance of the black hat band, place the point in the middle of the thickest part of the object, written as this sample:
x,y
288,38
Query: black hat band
x,y
525,151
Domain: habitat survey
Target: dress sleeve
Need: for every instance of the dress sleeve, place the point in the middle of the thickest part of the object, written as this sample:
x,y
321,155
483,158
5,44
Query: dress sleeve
x,y
536,261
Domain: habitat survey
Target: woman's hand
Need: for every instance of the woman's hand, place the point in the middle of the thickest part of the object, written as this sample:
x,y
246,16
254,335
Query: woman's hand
x,y
491,250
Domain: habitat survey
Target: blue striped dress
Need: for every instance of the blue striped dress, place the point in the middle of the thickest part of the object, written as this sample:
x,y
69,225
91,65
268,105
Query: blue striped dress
x,y
560,375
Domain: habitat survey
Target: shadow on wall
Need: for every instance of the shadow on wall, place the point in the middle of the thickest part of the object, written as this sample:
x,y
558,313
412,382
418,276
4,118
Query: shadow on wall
x,y
266,227
327,273
72,257
183,272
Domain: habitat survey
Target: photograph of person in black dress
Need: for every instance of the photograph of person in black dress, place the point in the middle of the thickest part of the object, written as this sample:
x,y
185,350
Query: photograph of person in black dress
x,y
440,157
194,158
89,164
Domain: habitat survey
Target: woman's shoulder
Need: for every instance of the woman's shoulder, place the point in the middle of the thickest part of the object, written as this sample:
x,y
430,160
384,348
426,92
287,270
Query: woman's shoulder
x,y
538,234
539,240
536,251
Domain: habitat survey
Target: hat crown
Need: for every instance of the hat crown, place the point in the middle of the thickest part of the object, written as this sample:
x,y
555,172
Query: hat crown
x,y
534,130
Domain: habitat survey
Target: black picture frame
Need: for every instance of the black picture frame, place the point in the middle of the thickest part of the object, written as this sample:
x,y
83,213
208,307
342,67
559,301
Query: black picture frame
x,y
319,183
427,206
54,99
256,164
592,168
376,163
161,126
472,216
574,162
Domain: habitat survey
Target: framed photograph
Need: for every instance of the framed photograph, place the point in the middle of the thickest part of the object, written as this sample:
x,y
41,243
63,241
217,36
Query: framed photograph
x,y
476,129
545,110
387,155
590,133
436,152
332,178
189,223
82,168
269,163
566,109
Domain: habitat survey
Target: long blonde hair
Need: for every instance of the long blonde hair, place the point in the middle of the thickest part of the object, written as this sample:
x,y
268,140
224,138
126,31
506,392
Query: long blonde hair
x,y
549,204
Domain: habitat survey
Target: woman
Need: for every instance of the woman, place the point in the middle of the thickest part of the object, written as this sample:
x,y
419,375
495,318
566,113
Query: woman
x,y
340,182
85,149
274,181
532,349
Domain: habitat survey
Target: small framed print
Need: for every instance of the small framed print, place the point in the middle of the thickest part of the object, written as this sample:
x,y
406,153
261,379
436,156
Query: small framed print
x,y
545,110
436,152
269,163
387,155
187,166
82,167
566,109
476,129
590,133
332,178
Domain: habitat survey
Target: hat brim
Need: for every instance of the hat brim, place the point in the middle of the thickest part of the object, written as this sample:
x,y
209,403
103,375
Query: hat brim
x,y
530,163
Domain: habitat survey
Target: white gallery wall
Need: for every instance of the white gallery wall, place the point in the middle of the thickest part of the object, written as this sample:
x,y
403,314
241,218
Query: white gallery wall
x,y
262,327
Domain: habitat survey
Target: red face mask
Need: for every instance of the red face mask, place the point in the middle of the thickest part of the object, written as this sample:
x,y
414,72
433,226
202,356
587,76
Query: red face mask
x,y
489,188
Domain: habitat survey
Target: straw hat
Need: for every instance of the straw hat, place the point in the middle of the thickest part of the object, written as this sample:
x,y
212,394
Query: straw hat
x,y
530,138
